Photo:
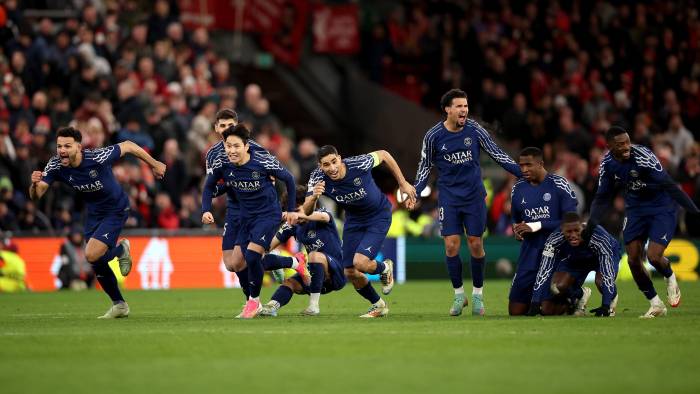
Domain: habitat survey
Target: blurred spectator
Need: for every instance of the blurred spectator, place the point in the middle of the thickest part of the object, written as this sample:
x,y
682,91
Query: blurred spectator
x,y
12,270
176,177
75,272
166,215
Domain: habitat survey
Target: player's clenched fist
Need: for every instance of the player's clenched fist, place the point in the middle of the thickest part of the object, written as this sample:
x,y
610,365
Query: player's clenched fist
x,y
207,218
36,176
319,188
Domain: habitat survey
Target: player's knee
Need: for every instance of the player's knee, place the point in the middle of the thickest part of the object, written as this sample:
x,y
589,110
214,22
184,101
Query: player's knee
x,y
93,255
655,256
451,246
475,244
315,257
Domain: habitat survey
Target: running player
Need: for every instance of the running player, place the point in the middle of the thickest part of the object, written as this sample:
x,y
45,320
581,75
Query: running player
x,y
89,172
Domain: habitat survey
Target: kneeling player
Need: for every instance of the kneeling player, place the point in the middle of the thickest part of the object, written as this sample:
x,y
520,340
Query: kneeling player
x,y
571,260
318,233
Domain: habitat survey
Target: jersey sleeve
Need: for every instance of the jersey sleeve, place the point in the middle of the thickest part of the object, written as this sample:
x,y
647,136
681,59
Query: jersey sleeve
x,y
50,172
211,188
547,265
604,247
285,232
646,159
107,155
275,168
516,212
567,201
364,163
426,161
606,188
497,154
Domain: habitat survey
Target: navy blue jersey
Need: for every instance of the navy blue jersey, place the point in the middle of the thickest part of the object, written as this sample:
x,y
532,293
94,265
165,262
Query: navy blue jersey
x,y
545,203
216,156
456,157
357,192
603,248
93,178
642,178
315,236
252,185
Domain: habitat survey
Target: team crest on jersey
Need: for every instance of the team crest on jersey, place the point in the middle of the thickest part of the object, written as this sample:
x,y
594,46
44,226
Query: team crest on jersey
x,y
468,141
357,182
311,234
547,197
93,173
634,173
255,175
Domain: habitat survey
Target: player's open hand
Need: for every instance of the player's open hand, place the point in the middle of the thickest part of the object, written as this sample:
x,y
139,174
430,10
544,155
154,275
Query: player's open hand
x,y
159,170
408,192
207,218
36,176
319,189
521,228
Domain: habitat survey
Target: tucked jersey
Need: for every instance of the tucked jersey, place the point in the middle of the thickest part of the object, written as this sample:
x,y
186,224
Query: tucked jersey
x,y
642,178
546,203
93,179
315,236
456,157
603,247
215,157
251,185
357,192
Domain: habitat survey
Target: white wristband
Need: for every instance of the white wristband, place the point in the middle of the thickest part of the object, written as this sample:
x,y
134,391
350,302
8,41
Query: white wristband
x,y
535,226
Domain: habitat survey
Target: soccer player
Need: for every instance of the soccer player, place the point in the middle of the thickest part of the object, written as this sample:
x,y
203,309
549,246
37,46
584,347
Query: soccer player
x,y
453,147
234,260
539,201
318,234
89,172
367,216
248,173
650,212
567,260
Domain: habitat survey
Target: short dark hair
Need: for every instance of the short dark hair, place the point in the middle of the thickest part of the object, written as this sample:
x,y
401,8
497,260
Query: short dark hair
x,y
613,132
571,217
451,94
226,113
70,131
326,150
531,151
301,194
238,130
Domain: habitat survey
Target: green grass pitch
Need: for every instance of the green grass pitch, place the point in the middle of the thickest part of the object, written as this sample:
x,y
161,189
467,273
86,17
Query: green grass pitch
x,y
187,341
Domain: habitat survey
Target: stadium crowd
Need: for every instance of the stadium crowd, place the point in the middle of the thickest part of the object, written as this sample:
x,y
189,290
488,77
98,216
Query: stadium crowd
x,y
545,73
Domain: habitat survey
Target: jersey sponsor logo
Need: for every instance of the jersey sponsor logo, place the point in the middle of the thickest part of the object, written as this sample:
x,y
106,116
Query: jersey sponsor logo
x,y
93,173
89,187
245,186
468,141
352,196
316,245
547,197
357,181
255,175
537,213
636,185
458,157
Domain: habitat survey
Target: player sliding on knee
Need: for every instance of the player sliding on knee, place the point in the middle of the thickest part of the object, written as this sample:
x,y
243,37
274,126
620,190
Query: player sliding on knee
x,y
318,233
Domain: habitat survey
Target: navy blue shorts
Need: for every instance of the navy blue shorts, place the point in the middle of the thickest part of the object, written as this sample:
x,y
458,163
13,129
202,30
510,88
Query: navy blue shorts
x,y
658,228
521,288
366,239
455,219
258,230
232,227
334,282
106,228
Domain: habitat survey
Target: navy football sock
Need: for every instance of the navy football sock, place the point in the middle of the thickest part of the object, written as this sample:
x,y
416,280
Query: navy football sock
x,y
106,277
272,262
369,293
244,281
380,268
255,272
282,295
454,269
645,285
117,251
477,264
317,277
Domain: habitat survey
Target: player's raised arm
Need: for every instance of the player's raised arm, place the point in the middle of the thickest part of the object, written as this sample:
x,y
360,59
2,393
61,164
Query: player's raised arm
x,y
382,156
130,147
497,154
315,188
